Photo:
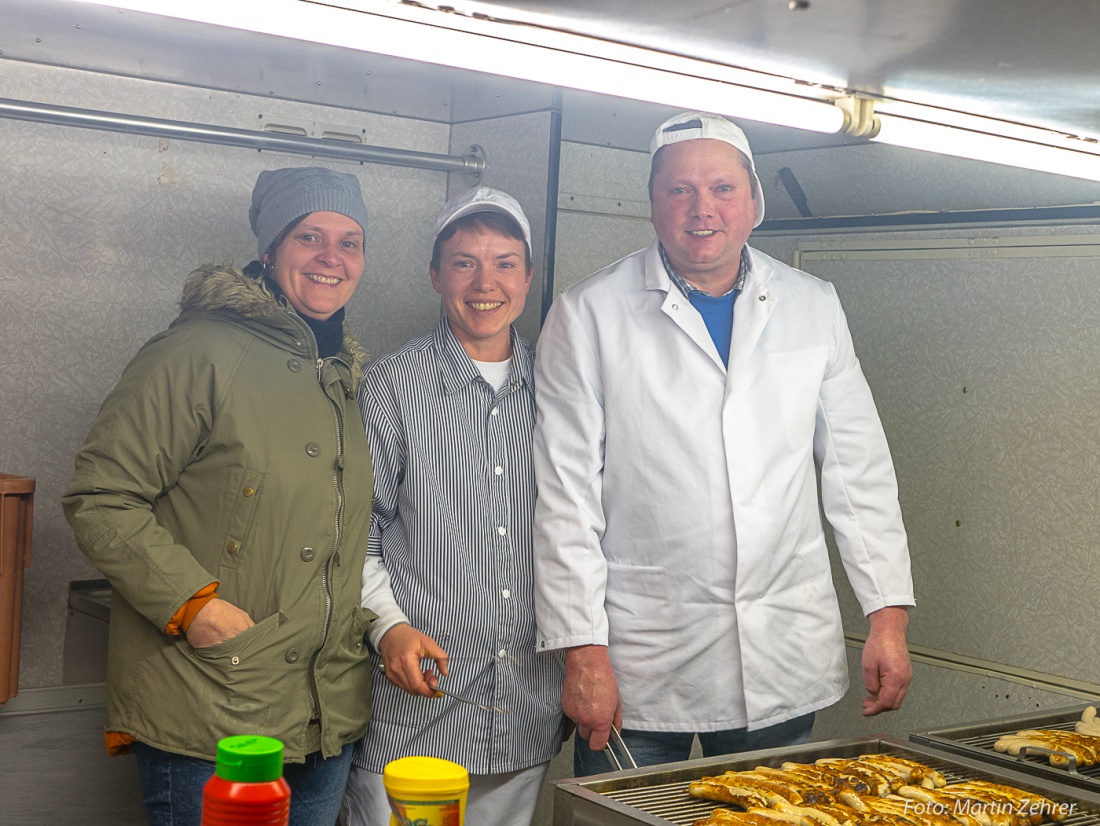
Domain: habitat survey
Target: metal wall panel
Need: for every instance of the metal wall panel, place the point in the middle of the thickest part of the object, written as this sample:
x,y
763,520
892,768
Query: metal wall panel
x,y
521,152
603,209
981,354
937,697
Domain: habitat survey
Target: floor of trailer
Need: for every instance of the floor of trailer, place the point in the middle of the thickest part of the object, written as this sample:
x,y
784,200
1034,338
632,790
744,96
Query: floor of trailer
x,y
54,768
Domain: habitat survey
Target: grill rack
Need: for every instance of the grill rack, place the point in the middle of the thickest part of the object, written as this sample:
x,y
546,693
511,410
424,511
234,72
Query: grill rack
x,y
976,740
657,795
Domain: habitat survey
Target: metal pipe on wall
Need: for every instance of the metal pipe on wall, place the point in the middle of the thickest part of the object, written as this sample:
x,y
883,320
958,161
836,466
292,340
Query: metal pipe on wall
x,y
470,165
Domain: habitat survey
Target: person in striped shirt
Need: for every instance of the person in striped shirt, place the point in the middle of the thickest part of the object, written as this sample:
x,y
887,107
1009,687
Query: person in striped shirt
x,y
449,418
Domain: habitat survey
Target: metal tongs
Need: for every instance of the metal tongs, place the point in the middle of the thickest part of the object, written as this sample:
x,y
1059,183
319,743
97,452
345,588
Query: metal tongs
x,y
439,692
610,752
443,693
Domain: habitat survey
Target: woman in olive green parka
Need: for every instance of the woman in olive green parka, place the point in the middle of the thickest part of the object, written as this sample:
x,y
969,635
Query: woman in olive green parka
x,y
224,491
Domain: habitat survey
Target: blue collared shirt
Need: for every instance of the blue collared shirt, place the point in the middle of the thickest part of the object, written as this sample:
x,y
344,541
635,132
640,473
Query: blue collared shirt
x,y
717,311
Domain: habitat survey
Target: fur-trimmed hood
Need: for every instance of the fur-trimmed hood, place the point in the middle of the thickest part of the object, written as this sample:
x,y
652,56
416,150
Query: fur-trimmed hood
x,y
226,290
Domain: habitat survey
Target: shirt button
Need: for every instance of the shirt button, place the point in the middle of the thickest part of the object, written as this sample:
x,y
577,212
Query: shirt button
x,y
502,653
506,593
498,470
493,412
502,530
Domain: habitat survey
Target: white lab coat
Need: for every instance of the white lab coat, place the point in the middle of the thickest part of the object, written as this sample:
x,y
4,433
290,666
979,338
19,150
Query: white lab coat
x,y
677,517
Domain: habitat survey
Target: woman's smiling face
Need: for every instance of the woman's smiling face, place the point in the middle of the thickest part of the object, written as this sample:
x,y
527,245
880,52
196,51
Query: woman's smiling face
x,y
319,263
484,278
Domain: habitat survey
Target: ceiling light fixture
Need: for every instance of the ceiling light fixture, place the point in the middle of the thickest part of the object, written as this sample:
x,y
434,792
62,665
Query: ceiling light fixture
x,y
528,53
1082,162
545,55
962,135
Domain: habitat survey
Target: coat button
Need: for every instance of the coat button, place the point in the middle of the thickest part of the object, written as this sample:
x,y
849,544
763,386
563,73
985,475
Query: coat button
x,y
763,298
294,365
292,655
232,547
249,491
313,449
307,554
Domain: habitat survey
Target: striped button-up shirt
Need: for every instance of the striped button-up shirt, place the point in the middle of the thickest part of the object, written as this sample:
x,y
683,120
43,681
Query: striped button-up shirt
x,y
450,551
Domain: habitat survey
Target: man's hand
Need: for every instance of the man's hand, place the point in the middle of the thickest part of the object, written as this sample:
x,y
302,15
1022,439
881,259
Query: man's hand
x,y
402,648
590,694
217,621
886,666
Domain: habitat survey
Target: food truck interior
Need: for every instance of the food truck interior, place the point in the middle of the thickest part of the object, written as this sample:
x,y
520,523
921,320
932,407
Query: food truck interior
x,y
937,161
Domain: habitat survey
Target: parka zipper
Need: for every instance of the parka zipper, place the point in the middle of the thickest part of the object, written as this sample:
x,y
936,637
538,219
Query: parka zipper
x,y
326,585
334,553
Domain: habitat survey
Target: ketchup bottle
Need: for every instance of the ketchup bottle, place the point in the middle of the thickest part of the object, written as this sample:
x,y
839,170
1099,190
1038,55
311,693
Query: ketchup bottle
x,y
247,788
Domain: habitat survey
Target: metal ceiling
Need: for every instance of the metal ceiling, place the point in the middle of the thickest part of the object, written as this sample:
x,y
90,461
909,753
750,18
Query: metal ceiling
x,y
1021,60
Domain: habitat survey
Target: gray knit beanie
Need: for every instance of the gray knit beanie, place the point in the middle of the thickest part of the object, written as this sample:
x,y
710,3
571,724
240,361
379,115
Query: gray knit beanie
x,y
282,196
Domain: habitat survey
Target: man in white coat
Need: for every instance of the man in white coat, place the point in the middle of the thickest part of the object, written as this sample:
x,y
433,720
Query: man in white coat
x,y
688,396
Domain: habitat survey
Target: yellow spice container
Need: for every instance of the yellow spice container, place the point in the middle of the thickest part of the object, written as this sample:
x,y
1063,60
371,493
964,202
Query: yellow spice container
x,y
426,791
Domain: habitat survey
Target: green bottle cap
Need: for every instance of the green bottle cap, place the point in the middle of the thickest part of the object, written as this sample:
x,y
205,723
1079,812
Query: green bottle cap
x,y
249,758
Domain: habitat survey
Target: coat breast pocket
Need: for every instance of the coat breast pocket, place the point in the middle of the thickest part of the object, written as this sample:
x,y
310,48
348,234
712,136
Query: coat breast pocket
x,y
246,500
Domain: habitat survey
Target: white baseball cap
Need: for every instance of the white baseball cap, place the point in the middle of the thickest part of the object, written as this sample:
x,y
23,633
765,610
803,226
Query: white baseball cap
x,y
483,199
691,126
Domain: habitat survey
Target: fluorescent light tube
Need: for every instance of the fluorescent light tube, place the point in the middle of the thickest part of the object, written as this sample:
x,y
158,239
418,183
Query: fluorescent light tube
x,y
527,53
1056,155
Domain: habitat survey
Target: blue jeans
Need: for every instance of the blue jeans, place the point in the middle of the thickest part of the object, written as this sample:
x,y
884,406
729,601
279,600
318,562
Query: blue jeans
x,y
172,787
652,747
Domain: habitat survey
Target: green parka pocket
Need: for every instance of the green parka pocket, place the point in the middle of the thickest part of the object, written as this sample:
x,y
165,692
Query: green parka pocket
x,y
249,669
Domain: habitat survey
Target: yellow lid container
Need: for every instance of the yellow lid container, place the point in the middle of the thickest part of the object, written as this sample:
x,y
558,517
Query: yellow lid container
x,y
426,791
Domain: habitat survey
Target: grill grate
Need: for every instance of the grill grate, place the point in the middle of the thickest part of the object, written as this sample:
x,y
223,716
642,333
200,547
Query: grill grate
x,y
977,739
986,741
669,801
672,804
